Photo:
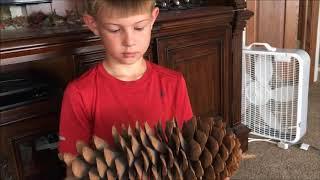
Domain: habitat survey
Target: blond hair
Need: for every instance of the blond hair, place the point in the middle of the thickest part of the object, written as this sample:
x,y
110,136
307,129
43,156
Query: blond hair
x,y
119,7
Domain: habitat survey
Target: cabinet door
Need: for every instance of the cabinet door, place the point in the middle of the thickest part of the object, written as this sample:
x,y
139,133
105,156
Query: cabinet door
x,y
36,155
20,148
203,59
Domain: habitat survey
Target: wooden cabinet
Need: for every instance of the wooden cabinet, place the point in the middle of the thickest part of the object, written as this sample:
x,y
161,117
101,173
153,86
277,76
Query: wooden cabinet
x,y
205,44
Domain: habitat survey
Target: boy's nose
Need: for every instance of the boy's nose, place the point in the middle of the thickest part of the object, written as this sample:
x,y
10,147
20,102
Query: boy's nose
x,y
128,39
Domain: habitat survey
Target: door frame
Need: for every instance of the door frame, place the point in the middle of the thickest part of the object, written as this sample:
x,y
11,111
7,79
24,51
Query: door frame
x,y
307,33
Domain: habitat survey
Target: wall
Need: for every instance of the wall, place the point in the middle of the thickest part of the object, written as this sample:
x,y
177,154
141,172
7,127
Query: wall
x,y
60,6
274,22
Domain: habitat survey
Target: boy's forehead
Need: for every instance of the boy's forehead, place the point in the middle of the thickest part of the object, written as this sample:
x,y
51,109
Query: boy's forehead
x,y
118,17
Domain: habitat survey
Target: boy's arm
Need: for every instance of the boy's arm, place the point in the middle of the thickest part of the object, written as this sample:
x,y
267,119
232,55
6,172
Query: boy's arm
x,y
75,123
183,110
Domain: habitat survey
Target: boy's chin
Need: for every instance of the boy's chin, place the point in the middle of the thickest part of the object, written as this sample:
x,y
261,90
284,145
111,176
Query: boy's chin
x,y
129,61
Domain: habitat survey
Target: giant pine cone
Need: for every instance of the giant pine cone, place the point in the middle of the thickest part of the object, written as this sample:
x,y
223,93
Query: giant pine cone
x,y
204,149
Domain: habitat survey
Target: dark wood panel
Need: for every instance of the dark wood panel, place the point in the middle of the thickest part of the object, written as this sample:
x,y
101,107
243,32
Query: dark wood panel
x,y
200,56
86,57
203,77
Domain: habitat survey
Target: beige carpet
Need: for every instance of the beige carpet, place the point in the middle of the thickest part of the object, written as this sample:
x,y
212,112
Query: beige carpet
x,y
266,161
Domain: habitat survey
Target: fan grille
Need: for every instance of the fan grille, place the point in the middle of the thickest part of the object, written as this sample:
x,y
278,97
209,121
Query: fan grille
x,y
270,95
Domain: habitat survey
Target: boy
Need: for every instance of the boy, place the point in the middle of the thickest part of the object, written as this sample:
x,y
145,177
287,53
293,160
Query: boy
x,y
124,88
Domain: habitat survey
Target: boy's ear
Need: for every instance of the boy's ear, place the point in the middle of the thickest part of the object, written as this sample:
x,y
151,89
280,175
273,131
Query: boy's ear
x,y
154,14
91,23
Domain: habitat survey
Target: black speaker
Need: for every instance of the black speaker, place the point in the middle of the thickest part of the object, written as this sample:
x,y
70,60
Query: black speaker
x,y
20,89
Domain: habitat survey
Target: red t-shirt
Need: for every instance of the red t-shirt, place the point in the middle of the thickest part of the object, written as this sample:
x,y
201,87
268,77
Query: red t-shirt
x,y
96,101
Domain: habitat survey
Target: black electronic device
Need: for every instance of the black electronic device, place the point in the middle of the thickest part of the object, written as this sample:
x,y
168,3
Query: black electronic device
x,y
19,89
24,1
179,4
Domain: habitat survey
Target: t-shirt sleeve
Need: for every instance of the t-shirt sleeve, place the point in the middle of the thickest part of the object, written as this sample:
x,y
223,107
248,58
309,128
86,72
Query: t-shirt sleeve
x,y
183,107
74,121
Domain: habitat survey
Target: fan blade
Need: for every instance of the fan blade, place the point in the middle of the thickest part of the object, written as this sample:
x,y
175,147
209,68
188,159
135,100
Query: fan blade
x,y
263,70
283,94
269,117
258,94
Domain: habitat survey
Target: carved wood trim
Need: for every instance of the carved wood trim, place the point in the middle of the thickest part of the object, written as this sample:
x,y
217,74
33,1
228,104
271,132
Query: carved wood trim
x,y
236,4
240,4
240,22
192,25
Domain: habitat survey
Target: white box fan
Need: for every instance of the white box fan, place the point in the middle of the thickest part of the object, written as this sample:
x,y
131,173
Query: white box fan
x,y
275,84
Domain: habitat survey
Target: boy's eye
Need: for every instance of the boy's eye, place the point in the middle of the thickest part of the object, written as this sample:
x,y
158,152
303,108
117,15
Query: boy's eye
x,y
113,30
138,28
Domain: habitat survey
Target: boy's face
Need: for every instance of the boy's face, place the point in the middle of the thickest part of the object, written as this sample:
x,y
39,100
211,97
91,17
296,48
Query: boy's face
x,y
126,39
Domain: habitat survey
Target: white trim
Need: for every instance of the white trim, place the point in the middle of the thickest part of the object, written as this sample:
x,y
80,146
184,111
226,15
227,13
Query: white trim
x,y
316,64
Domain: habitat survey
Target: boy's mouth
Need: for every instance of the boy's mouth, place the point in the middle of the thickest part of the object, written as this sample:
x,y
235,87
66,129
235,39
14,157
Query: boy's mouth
x,y
129,54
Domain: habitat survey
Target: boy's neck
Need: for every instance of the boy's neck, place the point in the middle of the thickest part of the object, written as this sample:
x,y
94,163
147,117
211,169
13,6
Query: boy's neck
x,y
126,72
